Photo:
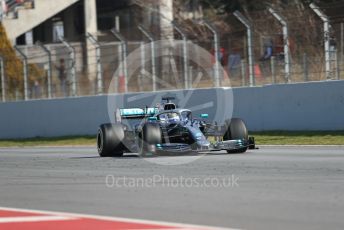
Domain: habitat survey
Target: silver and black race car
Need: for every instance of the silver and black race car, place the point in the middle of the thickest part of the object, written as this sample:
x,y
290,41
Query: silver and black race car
x,y
167,129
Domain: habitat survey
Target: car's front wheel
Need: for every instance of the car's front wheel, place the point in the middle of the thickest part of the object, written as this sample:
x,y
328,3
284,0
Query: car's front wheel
x,y
149,137
236,131
109,140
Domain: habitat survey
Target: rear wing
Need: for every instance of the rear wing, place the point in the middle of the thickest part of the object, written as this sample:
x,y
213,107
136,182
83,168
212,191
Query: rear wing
x,y
135,113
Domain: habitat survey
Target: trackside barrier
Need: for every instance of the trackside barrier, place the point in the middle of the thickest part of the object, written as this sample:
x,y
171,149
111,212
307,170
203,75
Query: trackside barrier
x,y
303,106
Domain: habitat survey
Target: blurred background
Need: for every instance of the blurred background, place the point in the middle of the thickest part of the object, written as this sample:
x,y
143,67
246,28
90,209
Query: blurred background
x,y
66,48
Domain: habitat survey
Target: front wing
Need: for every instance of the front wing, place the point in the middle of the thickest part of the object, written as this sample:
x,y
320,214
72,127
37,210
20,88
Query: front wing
x,y
217,146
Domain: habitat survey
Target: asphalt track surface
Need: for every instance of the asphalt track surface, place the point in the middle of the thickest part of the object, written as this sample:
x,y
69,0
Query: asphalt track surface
x,y
270,188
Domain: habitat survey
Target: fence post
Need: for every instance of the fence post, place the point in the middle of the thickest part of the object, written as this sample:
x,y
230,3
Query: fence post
x,y
2,72
286,43
25,72
49,70
150,37
305,67
143,65
337,66
243,72
216,53
248,26
185,54
72,56
124,56
341,46
120,69
273,69
190,77
326,22
96,44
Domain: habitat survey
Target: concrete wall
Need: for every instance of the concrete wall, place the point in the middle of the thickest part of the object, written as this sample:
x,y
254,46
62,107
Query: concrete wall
x,y
304,106
28,19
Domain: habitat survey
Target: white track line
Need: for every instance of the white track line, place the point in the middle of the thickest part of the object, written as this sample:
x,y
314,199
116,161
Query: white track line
x,y
119,219
33,219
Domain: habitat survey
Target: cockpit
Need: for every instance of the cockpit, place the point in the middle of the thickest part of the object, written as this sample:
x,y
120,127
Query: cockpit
x,y
170,117
175,116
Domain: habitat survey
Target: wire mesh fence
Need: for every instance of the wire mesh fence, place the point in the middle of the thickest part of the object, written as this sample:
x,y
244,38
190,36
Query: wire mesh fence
x,y
76,70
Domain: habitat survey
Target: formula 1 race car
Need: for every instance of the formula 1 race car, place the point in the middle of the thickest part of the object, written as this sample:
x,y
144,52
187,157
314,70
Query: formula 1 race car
x,y
167,129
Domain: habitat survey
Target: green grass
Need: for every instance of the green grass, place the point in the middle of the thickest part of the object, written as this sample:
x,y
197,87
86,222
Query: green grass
x,y
299,138
262,138
54,141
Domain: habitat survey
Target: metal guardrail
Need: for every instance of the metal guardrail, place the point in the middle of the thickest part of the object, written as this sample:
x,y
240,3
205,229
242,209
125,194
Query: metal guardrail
x,y
107,65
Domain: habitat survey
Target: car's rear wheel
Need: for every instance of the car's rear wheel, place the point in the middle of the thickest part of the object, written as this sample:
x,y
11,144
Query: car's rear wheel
x,y
149,137
236,131
109,140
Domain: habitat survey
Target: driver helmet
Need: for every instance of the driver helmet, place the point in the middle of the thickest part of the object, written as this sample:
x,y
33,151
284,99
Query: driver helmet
x,y
173,117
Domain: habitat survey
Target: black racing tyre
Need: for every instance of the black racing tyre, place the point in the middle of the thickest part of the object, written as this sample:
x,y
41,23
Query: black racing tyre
x,y
109,140
236,130
149,137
